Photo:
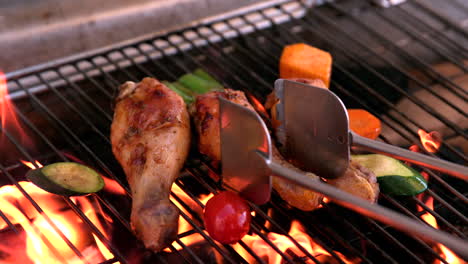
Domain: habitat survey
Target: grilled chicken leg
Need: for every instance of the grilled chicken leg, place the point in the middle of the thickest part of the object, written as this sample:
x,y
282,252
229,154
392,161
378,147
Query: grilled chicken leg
x,y
205,112
150,137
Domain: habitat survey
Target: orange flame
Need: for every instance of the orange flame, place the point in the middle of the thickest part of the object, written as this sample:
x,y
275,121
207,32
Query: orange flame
x,y
31,165
258,245
185,226
113,186
257,105
44,244
8,117
414,148
446,253
284,244
430,141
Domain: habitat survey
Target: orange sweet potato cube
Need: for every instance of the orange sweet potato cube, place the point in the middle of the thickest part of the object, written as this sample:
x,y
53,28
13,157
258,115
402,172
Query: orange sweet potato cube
x,y
303,61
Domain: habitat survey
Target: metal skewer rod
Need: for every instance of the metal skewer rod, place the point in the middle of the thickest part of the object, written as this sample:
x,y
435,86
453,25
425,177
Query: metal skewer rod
x,y
444,166
377,212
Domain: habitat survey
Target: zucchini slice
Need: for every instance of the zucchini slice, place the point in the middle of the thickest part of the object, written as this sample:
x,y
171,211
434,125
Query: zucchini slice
x,y
67,179
394,177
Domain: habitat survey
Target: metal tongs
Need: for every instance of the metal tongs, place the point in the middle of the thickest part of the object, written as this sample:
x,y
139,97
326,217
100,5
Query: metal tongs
x,y
247,164
315,122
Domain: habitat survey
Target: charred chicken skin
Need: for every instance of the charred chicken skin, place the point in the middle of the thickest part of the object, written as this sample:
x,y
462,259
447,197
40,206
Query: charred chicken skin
x,y
295,195
150,137
359,181
205,112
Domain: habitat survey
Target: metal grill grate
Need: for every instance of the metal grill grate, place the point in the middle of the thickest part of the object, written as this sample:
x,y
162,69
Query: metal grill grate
x,y
381,56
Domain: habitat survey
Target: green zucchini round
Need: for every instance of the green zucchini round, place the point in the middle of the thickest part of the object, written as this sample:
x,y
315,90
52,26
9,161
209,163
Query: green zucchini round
x,y
393,176
67,179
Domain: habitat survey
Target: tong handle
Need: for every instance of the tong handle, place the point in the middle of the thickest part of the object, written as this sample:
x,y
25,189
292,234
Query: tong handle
x,y
380,213
410,156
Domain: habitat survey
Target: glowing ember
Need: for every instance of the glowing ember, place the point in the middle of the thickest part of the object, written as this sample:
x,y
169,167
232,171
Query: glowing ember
x,y
414,148
185,226
433,140
285,245
430,141
257,105
113,186
44,244
31,165
446,253
255,242
8,117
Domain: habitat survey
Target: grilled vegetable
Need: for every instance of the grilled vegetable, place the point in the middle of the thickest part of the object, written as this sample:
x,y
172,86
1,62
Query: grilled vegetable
x,y
198,84
67,178
188,98
394,177
204,75
364,123
303,61
183,89
227,217
191,84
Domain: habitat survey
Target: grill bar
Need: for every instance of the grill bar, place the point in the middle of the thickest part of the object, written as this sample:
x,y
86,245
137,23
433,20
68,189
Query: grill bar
x,y
49,221
9,223
398,89
439,218
419,241
68,201
361,235
424,41
255,228
228,54
411,58
448,41
360,43
453,25
374,93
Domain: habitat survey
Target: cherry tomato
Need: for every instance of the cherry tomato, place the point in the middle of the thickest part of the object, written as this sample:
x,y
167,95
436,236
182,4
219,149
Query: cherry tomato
x,y
227,217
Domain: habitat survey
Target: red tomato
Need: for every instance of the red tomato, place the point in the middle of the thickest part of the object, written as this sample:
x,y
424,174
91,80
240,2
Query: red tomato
x,y
227,217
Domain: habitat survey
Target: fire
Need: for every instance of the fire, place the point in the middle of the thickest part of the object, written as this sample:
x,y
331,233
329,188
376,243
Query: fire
x,y
185,226
8,117
255,242
31,165
285,245
113,186
44,243
433,140
414,148
430,141
446,253
257,105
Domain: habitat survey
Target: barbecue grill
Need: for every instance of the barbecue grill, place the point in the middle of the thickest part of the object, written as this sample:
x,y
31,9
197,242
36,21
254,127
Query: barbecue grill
x,y
414,52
